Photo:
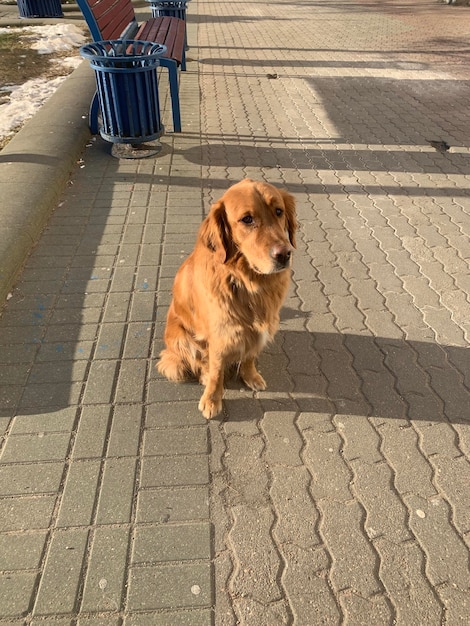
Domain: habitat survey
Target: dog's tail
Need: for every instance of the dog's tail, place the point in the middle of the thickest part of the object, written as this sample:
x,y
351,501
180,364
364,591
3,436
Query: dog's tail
x,y
172,366
183,357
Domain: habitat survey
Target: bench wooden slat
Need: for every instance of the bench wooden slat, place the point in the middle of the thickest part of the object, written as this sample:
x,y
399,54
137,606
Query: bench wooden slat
x,y
168,31
112,17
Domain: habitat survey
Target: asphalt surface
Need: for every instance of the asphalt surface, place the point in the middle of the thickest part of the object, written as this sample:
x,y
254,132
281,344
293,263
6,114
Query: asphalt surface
x,y
340,495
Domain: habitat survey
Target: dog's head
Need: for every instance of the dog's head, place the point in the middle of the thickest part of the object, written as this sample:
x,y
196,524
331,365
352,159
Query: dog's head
x,y
256,220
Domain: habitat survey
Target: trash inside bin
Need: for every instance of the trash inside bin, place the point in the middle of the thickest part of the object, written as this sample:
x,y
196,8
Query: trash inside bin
x,y
173,8
40,8
127,89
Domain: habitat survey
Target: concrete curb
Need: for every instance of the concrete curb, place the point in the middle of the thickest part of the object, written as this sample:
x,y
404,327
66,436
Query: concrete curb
x,y
35,167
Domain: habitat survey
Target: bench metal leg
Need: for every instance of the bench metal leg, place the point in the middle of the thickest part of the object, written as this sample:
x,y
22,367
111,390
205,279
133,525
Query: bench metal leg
x,y
93,114
174,92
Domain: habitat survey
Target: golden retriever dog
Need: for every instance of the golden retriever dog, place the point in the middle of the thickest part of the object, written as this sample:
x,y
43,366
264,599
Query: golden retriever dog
x,y
228,293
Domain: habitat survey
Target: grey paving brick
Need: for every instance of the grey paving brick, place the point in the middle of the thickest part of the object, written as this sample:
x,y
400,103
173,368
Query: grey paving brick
x,y
125,431
455,601
292,501
143,304
446,562
174,471
17,354
110,342
331,477
131,381
193,617
30,478
249,484
123,279
26,513
79,495
257,571
385,509
402,571
413,472
16,591
274,613
58,421
36,447
61,577
439,437
138,339
173,505
342,530
172,542
49,396
71,350
117,307
309,590
168,414
92,432
181,441
361,440
9,399
170,587
105,578
360,609
21,551
100,383
57,372
284,442
14,374
118,478
164,391
452,473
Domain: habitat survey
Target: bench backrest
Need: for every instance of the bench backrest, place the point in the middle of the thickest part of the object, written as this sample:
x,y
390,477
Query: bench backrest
x,y
109,19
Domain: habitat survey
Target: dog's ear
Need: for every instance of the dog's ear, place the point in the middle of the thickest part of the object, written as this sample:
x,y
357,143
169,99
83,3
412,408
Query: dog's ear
x,y
215,233
292,225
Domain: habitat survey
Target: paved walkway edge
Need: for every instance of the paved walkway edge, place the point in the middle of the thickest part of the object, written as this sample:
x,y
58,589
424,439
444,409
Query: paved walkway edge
x,y
35,167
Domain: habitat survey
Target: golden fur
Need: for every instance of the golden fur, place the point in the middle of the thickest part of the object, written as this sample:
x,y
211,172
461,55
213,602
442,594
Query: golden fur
x,y
228,293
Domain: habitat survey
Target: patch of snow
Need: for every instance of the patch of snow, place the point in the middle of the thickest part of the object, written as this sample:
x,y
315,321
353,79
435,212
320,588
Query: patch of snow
x,y
25,100
55,38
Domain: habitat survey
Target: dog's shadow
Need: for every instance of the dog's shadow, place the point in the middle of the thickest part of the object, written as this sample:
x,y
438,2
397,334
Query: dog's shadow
x,y
350,374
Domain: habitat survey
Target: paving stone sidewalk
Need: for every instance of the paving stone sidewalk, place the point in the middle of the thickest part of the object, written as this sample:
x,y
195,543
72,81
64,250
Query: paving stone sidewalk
x,y
341,494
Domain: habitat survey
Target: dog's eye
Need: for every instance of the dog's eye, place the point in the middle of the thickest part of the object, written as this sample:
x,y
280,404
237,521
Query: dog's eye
x,y
248,219
279,212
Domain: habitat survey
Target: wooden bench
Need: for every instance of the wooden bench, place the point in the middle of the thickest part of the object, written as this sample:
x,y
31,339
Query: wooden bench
x,y
115,19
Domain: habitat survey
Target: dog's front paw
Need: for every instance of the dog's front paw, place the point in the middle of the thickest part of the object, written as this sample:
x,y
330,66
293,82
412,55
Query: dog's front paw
x,y
255,382
209,405
251,377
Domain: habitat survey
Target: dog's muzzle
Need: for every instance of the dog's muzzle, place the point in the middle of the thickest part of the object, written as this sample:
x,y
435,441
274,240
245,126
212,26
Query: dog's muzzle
x,y
281,255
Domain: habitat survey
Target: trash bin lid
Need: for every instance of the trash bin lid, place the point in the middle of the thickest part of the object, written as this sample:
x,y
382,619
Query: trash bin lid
x,y
107,53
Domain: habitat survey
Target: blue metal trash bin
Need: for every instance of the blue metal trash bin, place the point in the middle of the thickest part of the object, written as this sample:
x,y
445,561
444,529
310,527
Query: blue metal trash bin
x,y
127,89
40,8
171,8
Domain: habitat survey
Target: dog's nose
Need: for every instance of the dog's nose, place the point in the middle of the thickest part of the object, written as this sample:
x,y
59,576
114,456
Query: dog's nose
x,y
281,254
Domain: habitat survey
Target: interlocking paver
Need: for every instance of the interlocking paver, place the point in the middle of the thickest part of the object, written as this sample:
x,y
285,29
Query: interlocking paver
x,y
339,494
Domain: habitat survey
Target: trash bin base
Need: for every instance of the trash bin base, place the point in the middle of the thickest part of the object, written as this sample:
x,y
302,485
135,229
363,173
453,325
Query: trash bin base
x,y
136,151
